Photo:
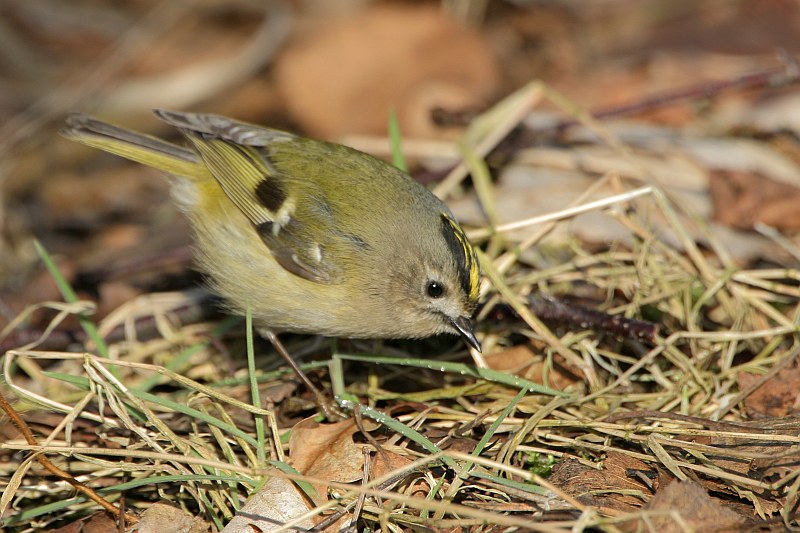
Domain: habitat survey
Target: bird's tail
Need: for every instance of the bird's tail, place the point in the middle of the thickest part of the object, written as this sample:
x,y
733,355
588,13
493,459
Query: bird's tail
x,y
150,151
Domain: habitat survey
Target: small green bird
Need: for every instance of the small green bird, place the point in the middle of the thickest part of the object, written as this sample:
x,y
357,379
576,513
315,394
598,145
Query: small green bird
x,y
311,236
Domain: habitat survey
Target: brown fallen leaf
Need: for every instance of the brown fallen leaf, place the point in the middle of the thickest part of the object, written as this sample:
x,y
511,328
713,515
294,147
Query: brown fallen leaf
x,y
615,489
343,76
684,506
276,503
161,517
759,459
386,462
741,199
777,396
96,523
326,451
523,361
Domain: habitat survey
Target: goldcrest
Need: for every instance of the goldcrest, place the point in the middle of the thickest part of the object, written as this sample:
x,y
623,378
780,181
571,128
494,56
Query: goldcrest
x,y
311,236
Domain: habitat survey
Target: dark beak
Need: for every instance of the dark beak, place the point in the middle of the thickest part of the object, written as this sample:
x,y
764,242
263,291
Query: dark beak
x,y
464,326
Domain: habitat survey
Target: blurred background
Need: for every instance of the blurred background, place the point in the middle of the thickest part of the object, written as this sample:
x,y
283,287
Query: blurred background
x,y
333,69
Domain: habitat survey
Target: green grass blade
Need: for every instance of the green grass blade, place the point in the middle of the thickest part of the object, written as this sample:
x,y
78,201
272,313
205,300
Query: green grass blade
x,y
396,142
70,297
459,368
254,394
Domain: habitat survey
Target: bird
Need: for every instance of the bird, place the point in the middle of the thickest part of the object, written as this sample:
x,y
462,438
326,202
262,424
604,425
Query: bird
x,y
309,236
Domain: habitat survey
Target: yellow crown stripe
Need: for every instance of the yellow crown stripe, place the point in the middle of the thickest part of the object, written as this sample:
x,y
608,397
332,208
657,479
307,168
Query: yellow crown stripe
x,y
469,256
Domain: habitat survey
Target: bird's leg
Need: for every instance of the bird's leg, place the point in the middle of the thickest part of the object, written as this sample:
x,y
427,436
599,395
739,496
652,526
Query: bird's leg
x,y
321,398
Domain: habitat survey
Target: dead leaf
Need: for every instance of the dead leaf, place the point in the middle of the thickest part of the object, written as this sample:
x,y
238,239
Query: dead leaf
x,y
522,361
344,75
161,517
609,489
778,396
326,451
758,459
278,502
690,508
741,199
99,522
386,462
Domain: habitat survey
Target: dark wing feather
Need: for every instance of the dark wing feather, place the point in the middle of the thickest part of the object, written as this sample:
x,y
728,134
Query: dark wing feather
x,y
237,155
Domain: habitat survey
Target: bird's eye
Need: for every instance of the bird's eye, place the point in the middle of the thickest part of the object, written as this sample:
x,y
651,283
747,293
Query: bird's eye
x,y
435,289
